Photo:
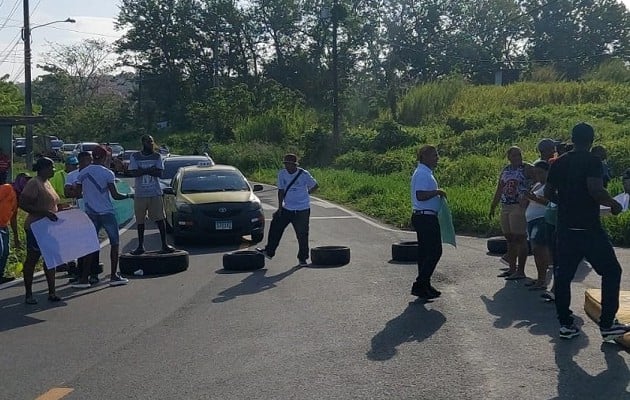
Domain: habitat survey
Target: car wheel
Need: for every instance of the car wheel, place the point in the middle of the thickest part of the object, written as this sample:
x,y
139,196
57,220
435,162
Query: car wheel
x,y
330,255
154,263
243,260
405,251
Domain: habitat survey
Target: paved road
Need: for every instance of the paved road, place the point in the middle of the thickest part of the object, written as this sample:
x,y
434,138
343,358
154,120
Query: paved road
x,y
352,332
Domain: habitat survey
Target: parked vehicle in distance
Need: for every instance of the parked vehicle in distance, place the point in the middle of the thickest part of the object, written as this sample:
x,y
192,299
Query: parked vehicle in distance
x,y
67,150
84,146
19,146
117,149
120,164
214,201
55,149
173,163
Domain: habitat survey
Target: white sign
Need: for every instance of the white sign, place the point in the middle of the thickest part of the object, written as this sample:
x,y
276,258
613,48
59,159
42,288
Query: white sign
x,y
72,236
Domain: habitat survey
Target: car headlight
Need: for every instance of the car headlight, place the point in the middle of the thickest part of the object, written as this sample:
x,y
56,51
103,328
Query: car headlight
x,y
183,207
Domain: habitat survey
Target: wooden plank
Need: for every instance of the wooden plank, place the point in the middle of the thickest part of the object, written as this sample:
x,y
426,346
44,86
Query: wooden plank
x,y
593,308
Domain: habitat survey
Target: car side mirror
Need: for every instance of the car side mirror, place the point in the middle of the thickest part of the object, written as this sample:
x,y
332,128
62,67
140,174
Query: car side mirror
x,y
168,190
258,188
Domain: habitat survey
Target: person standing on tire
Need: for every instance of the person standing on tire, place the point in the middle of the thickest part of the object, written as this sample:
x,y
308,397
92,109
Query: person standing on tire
x,y
426,201
147,166
96,182
294,188
575,184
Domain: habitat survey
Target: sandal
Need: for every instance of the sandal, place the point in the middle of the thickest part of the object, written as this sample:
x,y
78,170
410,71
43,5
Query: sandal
x,y
54,298
515,277
30,300
505,274
138,251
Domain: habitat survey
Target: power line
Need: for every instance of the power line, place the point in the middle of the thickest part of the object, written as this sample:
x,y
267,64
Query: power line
x,y
87,33
15,6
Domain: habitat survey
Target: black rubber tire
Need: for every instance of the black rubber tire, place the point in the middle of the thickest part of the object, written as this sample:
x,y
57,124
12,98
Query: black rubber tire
x,y
405,251
330,255
243,260
497,245
154,262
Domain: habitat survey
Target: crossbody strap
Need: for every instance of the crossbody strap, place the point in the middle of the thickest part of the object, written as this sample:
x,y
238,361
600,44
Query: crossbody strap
x,y
292,181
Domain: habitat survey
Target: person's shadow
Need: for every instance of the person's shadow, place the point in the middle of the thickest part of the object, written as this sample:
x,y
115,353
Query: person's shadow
x,y
575,383
415,324
255,282
520,314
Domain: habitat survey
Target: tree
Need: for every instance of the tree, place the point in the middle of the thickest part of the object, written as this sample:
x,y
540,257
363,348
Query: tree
x,y
11,98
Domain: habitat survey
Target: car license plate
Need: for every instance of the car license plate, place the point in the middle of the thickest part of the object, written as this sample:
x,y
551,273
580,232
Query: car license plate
x,y
223,225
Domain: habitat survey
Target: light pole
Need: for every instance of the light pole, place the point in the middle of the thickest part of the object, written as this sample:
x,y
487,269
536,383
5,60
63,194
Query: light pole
x,y
28,102
333,15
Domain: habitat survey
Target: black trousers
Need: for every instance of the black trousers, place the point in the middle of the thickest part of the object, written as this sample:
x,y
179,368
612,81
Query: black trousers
x,y
595,246
427,229
279,222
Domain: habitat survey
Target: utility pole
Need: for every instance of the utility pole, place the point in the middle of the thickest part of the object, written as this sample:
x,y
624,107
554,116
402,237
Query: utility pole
x,y
335,72
28,102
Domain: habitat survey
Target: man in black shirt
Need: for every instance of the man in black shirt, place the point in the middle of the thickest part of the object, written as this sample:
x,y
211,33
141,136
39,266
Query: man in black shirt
x,y
575,184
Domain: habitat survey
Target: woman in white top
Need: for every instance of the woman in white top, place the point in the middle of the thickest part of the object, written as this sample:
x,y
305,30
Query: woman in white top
x,y
536,233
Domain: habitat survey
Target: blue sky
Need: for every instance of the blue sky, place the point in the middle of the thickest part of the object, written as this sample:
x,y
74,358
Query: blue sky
x,y
94,20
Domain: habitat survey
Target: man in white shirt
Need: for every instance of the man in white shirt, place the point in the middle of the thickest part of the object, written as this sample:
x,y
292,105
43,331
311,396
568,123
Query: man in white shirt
x,y
294,207
425,200
97,182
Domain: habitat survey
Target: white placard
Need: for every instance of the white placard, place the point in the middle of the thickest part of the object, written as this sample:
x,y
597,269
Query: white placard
x,y
72,236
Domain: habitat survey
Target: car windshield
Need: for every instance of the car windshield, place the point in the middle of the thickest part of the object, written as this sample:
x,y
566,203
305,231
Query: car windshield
x,y
116,148
205,181
56,143
89,146
171,165
68,147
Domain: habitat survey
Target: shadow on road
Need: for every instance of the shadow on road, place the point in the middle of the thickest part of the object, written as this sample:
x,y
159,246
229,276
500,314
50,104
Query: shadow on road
x,y
15,314
415,324
254,283
516,307
575,383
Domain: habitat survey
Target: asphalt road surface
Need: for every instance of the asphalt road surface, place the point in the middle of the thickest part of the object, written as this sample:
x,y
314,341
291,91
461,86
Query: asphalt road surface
x,y
283,332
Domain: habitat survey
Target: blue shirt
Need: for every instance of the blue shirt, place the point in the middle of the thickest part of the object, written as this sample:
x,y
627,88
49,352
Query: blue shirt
x,y
423,180
95,180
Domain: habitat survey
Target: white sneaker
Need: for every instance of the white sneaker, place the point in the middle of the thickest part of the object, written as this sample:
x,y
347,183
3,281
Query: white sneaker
x,y
80,285
303,263
118,280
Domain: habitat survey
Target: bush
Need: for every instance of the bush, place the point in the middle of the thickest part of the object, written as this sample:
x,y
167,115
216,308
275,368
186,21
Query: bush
x,y
390,135
428,102
317,145
611,71
267,127
249,157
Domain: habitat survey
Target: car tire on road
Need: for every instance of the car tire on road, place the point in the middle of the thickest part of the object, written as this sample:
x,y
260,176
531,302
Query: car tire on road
x,y
406,251
330,255
154,262
243,260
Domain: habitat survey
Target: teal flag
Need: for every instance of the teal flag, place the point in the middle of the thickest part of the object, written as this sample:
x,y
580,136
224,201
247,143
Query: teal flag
x,y
446,223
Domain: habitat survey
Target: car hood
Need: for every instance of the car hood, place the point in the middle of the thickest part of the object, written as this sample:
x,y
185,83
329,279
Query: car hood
x,y
217,197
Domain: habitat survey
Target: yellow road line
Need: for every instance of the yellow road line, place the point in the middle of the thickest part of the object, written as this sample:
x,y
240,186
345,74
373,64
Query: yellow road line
x,y
55,394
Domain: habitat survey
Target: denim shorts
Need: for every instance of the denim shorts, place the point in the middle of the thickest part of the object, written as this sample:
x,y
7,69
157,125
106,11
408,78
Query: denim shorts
x,y
109,223
537,231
